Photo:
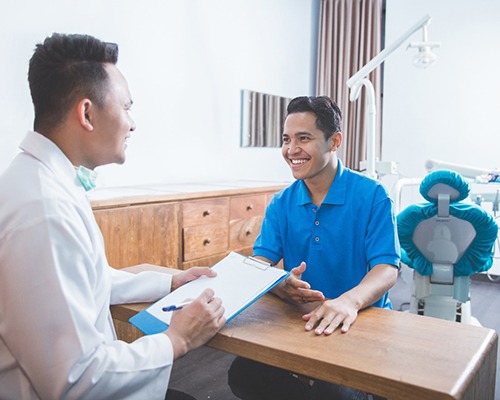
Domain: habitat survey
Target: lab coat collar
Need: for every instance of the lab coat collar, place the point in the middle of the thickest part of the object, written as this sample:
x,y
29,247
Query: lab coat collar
x,y
47,152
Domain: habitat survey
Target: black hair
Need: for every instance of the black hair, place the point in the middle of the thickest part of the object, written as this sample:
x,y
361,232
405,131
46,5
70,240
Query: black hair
x,y
328,114
64,69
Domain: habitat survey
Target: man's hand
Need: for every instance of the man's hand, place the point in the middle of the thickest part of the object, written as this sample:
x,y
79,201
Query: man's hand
x,y
190,275
330,315
344,309
196,323
294,289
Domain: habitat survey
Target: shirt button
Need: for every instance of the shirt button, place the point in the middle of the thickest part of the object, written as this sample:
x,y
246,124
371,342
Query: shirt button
x,y
314,210
316,239
316,223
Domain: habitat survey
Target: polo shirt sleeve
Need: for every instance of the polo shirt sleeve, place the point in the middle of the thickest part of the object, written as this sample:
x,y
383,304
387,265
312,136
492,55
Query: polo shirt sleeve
x,y
268,244
382,244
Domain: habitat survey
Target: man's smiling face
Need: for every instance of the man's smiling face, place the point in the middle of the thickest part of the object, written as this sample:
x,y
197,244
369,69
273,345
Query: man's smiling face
x,y
305,148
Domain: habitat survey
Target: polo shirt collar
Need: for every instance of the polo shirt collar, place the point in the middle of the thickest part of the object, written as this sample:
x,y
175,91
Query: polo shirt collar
x,y
336,194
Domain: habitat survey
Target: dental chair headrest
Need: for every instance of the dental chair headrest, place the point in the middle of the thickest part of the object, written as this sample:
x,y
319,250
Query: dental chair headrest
x,y
444,181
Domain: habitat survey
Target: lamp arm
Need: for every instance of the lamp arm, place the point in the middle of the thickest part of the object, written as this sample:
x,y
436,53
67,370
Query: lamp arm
x,y
371,118
359,79
380,57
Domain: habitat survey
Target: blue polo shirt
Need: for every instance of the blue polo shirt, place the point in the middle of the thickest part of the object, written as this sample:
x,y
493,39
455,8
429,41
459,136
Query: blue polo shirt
x,y
353,230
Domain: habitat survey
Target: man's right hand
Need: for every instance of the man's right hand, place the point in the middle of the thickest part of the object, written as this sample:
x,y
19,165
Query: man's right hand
x,y
196,323
294,289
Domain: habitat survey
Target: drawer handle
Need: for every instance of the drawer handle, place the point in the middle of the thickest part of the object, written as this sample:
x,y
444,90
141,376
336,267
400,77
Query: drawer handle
x,y
206,242
249,207
206,213
248,232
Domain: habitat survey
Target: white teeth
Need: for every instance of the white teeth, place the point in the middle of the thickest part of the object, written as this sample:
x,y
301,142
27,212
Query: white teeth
x,y
295,162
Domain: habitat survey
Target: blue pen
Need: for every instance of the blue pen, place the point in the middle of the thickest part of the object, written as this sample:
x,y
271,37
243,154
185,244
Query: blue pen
x,y
175,307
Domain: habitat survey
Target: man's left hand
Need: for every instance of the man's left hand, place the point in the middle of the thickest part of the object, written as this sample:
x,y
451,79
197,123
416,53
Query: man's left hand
x,y
190,275
330,315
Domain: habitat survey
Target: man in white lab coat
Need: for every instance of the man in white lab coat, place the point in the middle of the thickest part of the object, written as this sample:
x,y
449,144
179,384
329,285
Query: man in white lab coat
x,y
57,339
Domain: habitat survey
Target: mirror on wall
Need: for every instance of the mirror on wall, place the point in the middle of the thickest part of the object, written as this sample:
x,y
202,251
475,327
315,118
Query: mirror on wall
x,y
262,118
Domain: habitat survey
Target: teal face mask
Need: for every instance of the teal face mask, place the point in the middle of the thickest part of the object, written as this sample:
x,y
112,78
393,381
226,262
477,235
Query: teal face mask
x,y
87,177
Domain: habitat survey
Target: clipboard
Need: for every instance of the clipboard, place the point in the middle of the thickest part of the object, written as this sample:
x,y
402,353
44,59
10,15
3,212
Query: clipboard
x,y
240,281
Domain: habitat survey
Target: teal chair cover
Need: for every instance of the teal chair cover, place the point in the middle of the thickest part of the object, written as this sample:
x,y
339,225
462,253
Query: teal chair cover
x,y
478,255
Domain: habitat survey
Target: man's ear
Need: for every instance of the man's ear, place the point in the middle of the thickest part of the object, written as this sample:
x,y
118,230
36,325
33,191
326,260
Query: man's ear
x,y
84,111
335,141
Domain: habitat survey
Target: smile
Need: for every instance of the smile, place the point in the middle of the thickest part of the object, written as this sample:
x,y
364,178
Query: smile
x,y
298,162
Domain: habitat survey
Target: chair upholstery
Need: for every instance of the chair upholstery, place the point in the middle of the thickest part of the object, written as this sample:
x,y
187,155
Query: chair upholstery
x,y
445,241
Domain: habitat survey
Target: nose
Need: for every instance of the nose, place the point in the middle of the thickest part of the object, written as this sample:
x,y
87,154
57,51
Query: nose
x,y
132,125
292,147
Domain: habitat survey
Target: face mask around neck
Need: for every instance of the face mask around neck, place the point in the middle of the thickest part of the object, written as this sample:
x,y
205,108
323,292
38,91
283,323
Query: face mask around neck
x,y
87,177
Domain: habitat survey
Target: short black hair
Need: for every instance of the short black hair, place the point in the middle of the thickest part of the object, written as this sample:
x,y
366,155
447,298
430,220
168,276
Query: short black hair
x,y
64,69
328,114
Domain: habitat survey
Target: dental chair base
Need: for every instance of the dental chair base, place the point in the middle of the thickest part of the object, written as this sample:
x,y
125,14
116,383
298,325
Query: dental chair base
x,y
439,300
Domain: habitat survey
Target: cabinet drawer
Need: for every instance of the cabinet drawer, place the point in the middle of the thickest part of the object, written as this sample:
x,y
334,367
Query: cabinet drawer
x,y
243,232
246,215
204,212
204,240
247,206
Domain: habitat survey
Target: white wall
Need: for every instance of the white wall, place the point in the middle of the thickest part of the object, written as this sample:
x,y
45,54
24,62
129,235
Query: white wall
x,y
186,62
448,111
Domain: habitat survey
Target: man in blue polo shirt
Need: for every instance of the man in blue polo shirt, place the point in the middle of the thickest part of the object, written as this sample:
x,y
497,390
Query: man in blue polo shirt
x,y
335,231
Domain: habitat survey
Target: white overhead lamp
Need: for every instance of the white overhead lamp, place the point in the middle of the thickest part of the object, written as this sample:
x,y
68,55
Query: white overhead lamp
x,y
425,56
423,59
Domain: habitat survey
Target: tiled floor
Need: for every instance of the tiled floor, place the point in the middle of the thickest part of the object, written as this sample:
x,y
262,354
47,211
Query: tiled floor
x,y
203,373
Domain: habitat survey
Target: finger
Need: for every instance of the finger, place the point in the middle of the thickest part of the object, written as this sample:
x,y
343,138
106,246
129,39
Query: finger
x,y
222,321
220,312
298,284
312,319
202,271
216,303
298,271
346,325
207,295
303,296
311,295
328,328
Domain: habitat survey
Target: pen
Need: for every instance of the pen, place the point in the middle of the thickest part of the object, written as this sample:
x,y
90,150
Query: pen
x,y
175,307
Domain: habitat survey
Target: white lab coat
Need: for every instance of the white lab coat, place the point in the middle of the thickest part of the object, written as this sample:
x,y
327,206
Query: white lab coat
x,y
57,339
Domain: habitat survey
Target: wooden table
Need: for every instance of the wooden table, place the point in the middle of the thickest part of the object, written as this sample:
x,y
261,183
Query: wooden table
x,y
389,353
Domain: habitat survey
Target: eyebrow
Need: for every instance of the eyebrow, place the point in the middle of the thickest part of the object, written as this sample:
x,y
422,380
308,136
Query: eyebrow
x,y
301,133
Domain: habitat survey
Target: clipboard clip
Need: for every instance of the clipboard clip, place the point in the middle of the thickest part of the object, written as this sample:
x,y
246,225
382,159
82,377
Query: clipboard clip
x,y
255,262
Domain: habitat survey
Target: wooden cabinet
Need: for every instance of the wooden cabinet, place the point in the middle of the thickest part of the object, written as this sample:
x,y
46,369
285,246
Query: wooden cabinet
x,y
181,230
141,234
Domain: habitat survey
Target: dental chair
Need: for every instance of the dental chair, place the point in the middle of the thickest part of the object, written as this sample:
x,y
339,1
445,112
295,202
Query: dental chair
x,y
445,241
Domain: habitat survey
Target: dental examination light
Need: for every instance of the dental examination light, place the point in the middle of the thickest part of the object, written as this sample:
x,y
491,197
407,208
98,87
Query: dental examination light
x,y
424,58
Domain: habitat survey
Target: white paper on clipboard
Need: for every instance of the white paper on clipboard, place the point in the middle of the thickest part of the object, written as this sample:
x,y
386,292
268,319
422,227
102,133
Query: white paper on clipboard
x,y
239,282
